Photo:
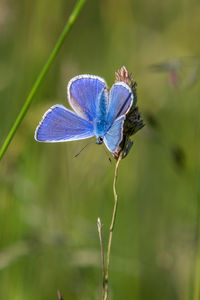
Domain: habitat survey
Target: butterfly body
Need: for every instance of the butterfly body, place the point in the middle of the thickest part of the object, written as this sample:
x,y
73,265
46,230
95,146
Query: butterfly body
x,y
96,113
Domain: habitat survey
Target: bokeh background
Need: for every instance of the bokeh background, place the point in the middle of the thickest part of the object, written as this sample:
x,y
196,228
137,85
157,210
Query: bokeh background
x,y
50,202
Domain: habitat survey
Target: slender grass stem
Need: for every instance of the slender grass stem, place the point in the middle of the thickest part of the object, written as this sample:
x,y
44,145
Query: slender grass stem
x,y
105,281
41,75
196,281
99,226
197,276
196,272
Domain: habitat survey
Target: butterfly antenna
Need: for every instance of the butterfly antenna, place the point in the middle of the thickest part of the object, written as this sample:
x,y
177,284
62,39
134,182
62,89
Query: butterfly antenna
x,y
83,149
110,160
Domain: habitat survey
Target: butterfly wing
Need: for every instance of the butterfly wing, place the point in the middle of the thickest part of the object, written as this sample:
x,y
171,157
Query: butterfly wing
x,y
60,124
83,93
114,135
120,101
100,123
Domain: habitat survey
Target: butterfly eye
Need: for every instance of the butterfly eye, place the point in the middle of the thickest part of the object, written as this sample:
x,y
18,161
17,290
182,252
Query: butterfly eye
x,y
99,140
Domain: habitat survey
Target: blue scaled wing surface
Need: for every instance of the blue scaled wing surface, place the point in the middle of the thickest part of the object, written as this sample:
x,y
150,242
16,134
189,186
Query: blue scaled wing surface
x,y
83,94
120,101
60,124
114,135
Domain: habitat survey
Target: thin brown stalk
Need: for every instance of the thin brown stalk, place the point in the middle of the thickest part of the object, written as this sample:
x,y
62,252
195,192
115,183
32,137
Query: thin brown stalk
x,y
99,226
105,279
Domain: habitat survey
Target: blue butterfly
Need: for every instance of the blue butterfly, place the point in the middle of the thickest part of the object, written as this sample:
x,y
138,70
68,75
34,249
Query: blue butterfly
x,y
97,112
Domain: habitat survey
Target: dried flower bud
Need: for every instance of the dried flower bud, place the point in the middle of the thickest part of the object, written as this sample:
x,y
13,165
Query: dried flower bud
x,y
123,75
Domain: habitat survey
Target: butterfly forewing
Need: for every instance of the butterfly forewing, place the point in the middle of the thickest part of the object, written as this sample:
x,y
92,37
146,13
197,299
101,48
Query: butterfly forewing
x,y
60,124
83,94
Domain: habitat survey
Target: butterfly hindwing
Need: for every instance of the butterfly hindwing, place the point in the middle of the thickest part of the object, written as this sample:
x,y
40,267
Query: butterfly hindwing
x,y
60,124
83,92
114,135
120,101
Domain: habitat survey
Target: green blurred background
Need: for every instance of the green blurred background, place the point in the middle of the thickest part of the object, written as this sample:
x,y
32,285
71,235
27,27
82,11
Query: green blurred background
x,y
50,202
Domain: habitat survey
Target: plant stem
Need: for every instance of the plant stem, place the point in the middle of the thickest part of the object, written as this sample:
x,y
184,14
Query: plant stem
x,y
41,75
99,226
105,281
196,287
196,272
197,275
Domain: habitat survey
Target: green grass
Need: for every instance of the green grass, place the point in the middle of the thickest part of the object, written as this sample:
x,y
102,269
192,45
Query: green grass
x,y
41,76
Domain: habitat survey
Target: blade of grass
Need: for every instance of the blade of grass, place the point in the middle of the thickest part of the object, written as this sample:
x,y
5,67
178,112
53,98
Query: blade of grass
x,y
196,279
41,75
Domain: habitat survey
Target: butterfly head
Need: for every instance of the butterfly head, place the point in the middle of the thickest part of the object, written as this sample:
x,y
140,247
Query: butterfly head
x,y
99,140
